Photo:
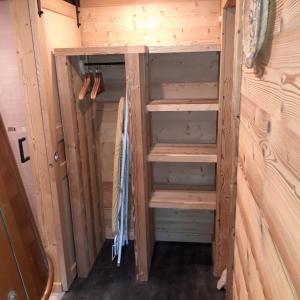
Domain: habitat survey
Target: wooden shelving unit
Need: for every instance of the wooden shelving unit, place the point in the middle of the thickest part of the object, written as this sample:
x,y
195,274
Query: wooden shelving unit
x,y
183,105
187,197
179,98
199,153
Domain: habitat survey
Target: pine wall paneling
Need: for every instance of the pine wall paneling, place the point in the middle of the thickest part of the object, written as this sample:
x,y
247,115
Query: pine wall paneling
x,y
268,202
158,23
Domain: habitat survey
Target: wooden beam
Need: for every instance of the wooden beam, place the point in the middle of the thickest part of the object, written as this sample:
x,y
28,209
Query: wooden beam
x,y
224,141
98,50
61,7
198,47
235,124
138,97
105,3
205,47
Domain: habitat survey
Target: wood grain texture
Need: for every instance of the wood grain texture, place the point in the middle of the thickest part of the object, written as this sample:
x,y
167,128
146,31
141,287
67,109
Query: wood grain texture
x,y
200,153
60,7
138,97
235,123
30,52
183,105
163,23
171,75
183,199
13,107
12,280
21,241
45,38
268,178
89,50
170,224
224,141
68,106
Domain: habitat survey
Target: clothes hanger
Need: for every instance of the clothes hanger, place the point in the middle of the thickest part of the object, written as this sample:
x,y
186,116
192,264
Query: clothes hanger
x,y
85,86
97,86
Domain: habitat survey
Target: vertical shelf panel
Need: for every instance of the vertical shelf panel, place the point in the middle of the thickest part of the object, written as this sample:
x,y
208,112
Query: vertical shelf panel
x,y
224,141
136,65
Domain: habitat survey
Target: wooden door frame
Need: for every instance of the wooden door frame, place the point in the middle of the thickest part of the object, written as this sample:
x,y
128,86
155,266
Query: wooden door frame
x,y
236,75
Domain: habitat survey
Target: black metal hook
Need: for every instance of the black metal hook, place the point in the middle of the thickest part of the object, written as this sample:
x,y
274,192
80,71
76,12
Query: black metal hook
x,y
39,6
77,6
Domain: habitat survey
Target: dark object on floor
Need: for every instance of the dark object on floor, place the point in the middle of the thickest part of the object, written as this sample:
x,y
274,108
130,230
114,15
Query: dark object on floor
x,y
178,271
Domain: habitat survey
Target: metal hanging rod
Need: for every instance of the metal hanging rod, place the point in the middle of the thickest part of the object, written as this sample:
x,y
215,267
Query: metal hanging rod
x,y
104,64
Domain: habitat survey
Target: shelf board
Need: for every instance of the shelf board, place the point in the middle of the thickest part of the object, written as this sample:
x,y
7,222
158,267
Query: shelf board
x,y
199,47
183,199
183,105
206,153
105,49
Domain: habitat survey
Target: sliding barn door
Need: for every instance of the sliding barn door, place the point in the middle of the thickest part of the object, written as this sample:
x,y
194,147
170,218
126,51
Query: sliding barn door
x,y
35,38
46,40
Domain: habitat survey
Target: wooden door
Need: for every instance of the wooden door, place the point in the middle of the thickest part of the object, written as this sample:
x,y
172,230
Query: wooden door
x,y
11,282
47,147
22,256
56,158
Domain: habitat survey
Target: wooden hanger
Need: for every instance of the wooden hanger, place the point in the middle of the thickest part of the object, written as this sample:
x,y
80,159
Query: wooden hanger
x,y
85,86
96,87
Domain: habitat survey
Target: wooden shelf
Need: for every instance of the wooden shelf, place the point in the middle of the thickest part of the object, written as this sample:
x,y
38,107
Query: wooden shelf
x,y
200,47
183,153
98,50
183,105
92,50
183,199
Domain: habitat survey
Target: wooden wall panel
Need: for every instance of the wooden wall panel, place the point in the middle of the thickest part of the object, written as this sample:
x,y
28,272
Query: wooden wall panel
x,y
268,201
12,104
147,23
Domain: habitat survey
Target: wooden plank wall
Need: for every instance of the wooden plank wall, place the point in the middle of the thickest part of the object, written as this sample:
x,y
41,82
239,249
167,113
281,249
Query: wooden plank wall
x,y
164,22
267,244
166,73
12,105
34,45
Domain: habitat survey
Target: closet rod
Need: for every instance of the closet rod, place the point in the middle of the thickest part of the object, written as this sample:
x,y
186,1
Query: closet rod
x,y
104,64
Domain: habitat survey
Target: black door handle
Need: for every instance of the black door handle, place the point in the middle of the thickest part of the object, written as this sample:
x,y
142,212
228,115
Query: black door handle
x,y
21,149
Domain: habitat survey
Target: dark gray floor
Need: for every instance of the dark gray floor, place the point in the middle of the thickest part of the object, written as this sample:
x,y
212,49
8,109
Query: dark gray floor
x,y
179,271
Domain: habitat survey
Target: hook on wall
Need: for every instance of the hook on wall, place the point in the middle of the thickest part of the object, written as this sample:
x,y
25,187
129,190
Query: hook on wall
x,y
39,7
77,7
